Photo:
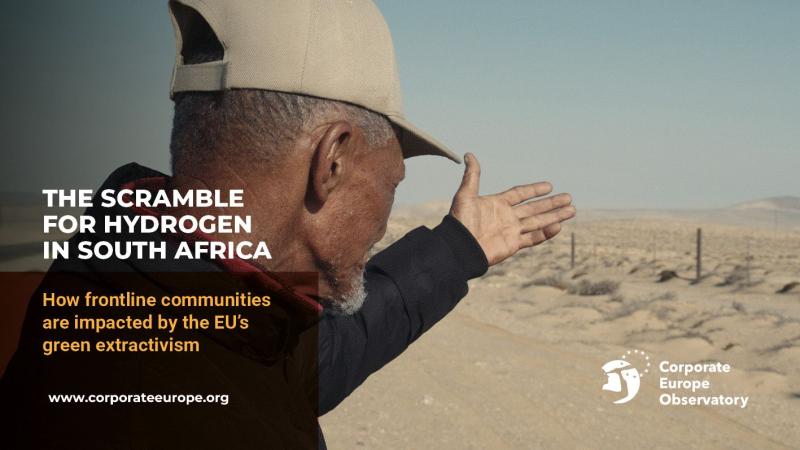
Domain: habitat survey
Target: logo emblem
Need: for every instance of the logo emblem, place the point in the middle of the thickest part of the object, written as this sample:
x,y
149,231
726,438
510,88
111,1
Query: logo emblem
x,y
619,370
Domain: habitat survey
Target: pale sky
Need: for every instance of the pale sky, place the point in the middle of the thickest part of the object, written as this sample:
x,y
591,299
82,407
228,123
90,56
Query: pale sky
x,y
681,104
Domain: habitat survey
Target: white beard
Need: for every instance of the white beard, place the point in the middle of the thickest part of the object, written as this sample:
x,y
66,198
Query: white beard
x,y
351,295
351,298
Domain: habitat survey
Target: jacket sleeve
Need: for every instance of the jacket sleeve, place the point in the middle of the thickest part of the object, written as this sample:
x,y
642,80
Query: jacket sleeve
x,y
410,286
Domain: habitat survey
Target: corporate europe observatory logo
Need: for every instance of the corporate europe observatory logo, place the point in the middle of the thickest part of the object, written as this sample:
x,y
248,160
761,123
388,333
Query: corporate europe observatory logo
x,y
683,384
630,368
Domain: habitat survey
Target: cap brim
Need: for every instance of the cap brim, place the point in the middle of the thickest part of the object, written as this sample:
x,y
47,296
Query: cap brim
x,y
415,142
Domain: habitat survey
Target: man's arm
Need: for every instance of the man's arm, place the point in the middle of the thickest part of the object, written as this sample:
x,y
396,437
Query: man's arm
x,y
410,286
415,282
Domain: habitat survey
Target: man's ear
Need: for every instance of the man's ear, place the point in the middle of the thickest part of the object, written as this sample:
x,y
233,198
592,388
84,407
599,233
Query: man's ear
x,y
330,162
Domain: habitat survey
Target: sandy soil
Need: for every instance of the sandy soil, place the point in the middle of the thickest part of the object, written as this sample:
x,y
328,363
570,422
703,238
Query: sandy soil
x,y
518,363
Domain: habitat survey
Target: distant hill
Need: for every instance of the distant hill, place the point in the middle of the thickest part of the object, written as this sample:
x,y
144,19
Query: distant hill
x,y
785,203
774,212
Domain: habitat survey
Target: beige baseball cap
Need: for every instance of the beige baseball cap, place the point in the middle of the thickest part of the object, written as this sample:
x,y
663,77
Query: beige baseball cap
x,y
335,49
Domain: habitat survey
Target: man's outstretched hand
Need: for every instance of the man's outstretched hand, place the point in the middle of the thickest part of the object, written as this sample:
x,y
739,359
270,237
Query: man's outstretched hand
x,y
506,222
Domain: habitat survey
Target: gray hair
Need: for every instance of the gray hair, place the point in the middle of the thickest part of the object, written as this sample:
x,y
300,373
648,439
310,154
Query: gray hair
x,y
259,122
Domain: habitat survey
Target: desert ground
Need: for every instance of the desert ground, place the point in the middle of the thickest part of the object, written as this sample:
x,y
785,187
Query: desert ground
x,y
518,363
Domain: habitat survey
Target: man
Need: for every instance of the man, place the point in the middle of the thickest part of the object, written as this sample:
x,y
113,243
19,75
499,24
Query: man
x,y
298,104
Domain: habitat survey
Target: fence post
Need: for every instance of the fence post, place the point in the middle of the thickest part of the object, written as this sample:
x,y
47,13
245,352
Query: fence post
x,y
572,252
655,259
747,260
699,264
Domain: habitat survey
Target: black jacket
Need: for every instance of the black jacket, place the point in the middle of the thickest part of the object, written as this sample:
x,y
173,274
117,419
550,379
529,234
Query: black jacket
x,y
288,368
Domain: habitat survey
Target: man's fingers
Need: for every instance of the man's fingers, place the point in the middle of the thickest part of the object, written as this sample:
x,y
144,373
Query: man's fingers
x,y
539,236
551,230
519,194
542,205
541,221
470,184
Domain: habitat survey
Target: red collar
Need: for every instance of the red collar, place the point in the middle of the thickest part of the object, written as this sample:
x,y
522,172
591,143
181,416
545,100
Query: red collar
x,y
271,281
